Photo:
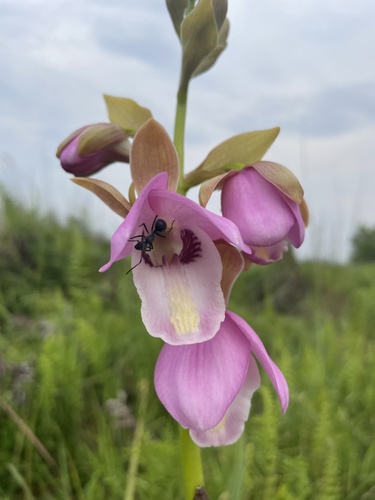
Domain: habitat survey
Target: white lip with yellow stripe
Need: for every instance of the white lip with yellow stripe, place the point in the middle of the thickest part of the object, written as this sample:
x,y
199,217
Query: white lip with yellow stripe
x,y
179,285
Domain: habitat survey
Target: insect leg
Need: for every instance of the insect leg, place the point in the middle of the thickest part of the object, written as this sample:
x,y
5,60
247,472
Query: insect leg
x,y
133,238
131,269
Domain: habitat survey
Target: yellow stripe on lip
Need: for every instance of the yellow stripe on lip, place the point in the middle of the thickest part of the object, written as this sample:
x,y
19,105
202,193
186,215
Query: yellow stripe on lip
x,y
184,314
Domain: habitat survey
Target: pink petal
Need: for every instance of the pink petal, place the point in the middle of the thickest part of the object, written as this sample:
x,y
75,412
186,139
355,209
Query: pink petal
x,y
258,349
296,234
267,255
189,213
197,383
257,207
121,247
182,303
231,427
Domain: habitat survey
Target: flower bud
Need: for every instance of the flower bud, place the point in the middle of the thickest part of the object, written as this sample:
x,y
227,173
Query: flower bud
x,y
266,217
93,147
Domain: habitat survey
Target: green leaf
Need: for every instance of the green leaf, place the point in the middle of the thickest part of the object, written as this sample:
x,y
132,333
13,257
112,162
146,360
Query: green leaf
x,y
176,9
199,37
126,113
243,149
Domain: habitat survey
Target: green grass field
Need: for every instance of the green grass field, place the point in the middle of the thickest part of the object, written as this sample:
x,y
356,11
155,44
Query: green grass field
x,y
79,418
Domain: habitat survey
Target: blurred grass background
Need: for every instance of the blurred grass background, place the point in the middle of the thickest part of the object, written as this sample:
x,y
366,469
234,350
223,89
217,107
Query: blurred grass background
x,y
77,404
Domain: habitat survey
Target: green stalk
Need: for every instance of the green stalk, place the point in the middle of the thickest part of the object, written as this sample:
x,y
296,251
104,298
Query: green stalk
x,y
191,464
191,453
179,135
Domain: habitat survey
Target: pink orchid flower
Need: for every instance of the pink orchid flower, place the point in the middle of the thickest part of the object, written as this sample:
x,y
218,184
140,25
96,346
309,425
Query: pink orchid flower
x,y
208,387
267,218
176,267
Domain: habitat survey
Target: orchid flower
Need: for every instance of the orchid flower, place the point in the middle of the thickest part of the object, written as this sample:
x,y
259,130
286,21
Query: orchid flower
x,y
265,210
177,273
265,201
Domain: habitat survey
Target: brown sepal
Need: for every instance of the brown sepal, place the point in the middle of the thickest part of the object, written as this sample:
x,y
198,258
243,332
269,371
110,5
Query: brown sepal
x,y
107,193
153,152
233,264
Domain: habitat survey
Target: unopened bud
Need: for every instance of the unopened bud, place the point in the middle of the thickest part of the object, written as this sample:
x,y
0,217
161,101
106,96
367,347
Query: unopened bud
x,y
93,147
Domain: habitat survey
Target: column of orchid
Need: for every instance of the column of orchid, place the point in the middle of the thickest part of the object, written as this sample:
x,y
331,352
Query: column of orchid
x,y
207,370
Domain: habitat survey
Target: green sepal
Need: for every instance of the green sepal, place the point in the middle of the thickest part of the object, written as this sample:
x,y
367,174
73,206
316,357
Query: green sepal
x,y
240,150
98,137
212,57
126,113
198,176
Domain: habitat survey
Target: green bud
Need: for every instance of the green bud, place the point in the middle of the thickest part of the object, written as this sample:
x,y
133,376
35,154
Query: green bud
x,y
199,37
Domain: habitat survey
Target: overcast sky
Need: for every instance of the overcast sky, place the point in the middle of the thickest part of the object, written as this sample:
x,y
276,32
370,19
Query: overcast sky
x,y
307,66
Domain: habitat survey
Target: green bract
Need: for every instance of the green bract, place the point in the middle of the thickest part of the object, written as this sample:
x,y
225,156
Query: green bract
x,y
126,113
234,153
242,149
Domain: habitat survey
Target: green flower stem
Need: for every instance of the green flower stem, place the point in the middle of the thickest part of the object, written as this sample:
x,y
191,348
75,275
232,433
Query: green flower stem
x,y
191,453
191,463
179,135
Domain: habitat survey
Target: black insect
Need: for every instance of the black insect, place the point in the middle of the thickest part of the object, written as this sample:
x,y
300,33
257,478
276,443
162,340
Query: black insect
x,y
145,244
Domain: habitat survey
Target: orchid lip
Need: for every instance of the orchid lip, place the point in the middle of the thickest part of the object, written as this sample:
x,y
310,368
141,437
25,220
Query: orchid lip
x,y
179,275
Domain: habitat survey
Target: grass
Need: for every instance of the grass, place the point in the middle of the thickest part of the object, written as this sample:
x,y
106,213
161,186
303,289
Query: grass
x,y
79,418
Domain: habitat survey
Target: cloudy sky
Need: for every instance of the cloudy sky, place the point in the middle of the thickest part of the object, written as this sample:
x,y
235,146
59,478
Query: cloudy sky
x,y
307,66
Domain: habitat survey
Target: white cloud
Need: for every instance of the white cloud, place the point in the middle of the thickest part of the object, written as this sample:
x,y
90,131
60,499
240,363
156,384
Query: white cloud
x,y
305,66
